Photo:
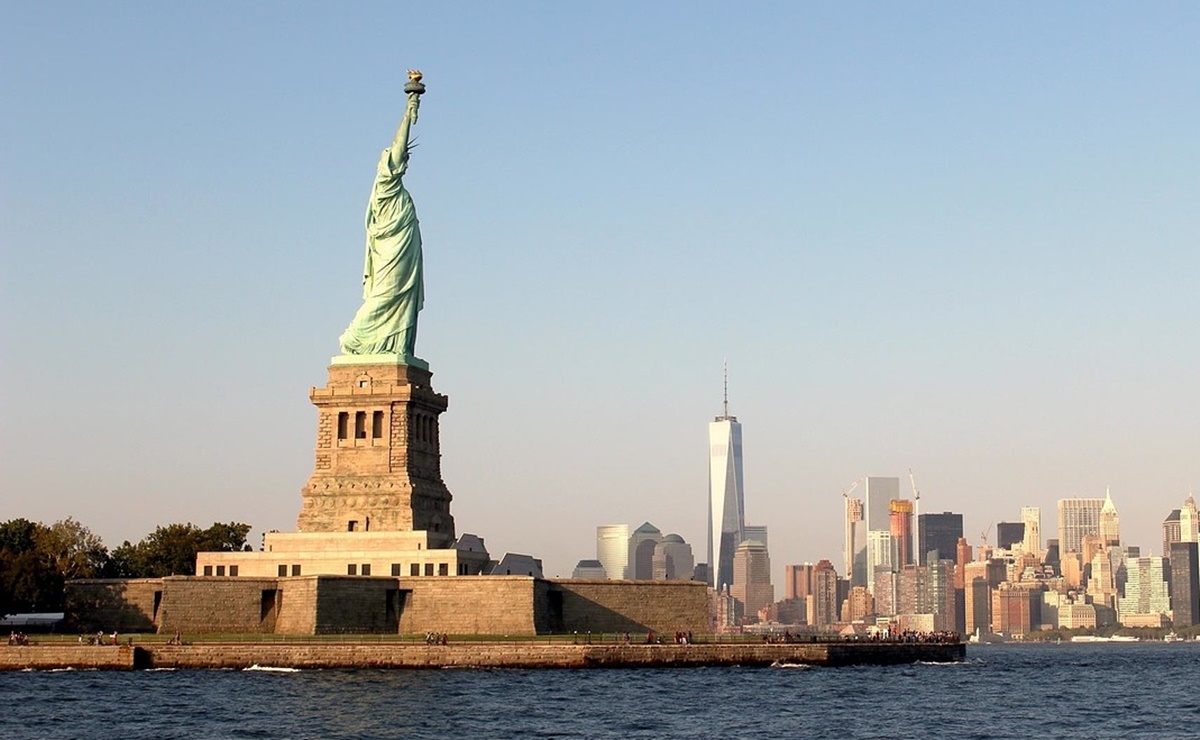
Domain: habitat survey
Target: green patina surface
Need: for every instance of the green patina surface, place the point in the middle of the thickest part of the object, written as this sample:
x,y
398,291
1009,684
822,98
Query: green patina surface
x,y
393,274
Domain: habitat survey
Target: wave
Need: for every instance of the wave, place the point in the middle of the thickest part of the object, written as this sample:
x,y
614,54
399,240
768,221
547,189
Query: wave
x,y
779,664
271,668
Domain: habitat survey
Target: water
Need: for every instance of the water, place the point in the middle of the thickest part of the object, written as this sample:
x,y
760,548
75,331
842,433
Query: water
x,y
1046,691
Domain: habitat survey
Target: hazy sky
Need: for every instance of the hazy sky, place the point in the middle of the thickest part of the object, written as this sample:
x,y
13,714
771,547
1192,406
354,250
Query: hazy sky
x,y
956,238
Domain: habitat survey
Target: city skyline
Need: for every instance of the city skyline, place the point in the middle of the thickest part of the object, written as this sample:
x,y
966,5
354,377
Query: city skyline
x,y
937,238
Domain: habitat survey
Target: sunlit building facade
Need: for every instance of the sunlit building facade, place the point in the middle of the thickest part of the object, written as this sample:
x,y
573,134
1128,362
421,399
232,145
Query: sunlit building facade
x,y
726,502
1146,592
877,513
612,549
1077,518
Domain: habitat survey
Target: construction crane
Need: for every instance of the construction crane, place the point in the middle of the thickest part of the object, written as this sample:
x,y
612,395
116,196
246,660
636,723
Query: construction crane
x,y
850,518
983,536
917,554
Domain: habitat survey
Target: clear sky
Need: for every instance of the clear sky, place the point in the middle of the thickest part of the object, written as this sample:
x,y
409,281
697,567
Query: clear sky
x,y
956,238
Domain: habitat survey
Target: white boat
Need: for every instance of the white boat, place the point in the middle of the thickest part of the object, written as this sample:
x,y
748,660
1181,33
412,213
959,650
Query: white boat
x,y
988,638
1098,638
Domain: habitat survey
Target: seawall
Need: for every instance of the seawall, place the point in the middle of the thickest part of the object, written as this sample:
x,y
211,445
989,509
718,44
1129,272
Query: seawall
x,y
53,657
471,655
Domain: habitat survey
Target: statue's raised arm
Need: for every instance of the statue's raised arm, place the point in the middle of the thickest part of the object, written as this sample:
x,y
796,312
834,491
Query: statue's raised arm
x,y
413,91
393,273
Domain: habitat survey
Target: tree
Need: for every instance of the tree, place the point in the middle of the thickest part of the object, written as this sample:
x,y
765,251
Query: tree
x,y
229,537
36,560
18,535
72,549
28,583
171,550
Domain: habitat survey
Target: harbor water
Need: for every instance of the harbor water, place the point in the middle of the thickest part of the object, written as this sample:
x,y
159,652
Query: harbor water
x,y
1001,691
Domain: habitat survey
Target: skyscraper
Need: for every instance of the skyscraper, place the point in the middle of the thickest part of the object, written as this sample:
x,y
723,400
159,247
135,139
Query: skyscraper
x,y
642,543
1185,583
823,602
880,553
589,569
612,549
1172,532
1102,579
1031,517
756,532
726,506
797,581
1189,521
752,578
855,550
1009,534
1146,601
901,521
673,559
1077,517
1110,523
939,532
879,494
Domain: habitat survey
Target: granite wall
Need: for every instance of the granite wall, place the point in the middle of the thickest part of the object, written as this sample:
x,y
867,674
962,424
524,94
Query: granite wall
x,y
121,604
461,605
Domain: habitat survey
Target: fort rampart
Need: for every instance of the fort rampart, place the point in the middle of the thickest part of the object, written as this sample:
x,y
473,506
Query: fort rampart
x,y
322,605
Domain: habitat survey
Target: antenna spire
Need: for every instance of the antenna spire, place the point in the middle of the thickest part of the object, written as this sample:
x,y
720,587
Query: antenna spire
x,y
725,406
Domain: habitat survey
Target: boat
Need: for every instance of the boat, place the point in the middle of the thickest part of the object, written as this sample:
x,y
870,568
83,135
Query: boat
x,y
1099,638
988,638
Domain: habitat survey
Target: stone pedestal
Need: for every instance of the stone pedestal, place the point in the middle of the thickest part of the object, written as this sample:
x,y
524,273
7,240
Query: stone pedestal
x,y
378,457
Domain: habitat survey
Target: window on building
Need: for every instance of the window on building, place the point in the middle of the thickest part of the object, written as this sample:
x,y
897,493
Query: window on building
x,y
395,570
366,569
343,425
377,425
282,571
351,569
220,570
360,424
233,570
443,569
428,569
352,525
208,570
295,569
414,569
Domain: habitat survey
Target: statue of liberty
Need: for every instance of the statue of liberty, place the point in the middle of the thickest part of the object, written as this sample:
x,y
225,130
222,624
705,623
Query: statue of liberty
x,y
393,284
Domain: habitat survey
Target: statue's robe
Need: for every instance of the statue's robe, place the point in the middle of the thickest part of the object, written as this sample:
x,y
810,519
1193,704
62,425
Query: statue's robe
x,y
393,276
